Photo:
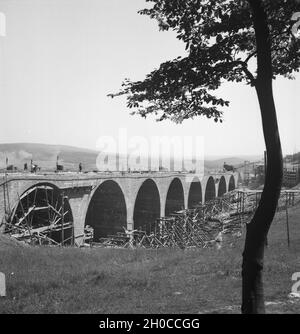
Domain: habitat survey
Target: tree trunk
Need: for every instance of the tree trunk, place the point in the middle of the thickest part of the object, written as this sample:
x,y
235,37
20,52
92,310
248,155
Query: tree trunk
x,y
257,229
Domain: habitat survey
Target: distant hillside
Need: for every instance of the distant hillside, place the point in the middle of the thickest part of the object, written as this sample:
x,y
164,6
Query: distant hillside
x,y
45,156
235,161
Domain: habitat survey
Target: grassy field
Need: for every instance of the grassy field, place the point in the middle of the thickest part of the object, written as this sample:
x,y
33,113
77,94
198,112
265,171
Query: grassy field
x,y
54,280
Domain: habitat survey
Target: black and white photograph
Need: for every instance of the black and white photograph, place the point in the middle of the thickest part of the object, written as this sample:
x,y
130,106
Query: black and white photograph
x,y
149,160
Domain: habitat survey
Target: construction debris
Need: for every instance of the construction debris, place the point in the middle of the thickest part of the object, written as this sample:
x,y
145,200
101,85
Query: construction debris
x,y
88,236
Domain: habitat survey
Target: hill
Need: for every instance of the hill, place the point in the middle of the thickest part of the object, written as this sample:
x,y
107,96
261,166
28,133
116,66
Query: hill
x,y
46,155
235,161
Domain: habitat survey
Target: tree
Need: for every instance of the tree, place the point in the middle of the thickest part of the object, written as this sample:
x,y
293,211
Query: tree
x,y
223,39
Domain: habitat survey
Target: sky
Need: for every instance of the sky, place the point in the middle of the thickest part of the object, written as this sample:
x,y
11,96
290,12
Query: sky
x,y
60,58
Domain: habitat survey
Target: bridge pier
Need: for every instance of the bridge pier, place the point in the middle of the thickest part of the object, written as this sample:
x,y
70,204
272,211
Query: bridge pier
x,y
79,208
163,199
130,224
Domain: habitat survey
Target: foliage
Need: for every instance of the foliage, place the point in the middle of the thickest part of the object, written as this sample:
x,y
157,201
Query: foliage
x,y
220,46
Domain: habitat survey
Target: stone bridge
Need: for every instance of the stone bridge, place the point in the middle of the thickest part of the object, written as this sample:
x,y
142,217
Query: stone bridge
x,y
110,201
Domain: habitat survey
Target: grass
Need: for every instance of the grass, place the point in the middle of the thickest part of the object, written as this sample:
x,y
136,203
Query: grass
x,y
55,280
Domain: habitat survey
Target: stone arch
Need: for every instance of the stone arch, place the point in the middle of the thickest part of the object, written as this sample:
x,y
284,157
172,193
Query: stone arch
x,y
41,205
222,187
195,193
210,190
231,185
147,206
107,212
175,197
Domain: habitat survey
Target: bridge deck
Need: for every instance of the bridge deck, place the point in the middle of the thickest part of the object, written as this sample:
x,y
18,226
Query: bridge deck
x,y
75,176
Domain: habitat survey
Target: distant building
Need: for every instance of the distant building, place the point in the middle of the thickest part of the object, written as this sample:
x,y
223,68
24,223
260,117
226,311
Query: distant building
x,y
291,177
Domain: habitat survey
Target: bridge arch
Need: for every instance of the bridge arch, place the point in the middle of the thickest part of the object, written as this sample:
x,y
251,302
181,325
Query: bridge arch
x,y
222,187
146,206
175,197
231,185
41,205
210,190
107,212
195,193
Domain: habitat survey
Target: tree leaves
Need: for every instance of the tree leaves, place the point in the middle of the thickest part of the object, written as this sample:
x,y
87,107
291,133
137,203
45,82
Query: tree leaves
x,y
220,42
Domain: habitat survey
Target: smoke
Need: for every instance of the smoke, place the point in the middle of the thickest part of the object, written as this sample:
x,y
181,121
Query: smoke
x,y
23,155
16,158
